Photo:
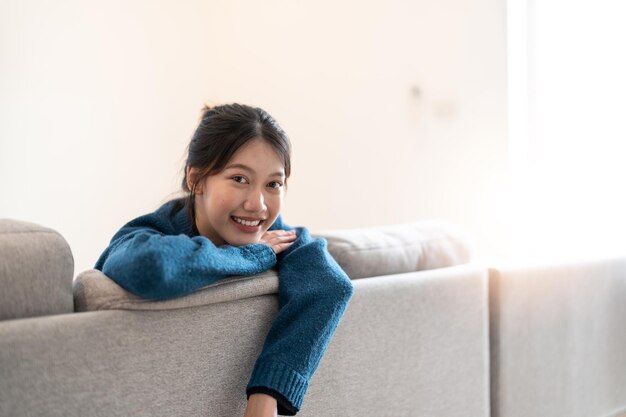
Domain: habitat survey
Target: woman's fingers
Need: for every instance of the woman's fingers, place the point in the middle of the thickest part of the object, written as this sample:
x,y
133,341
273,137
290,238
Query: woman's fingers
x,y
286,237
278,248
278,240
276,235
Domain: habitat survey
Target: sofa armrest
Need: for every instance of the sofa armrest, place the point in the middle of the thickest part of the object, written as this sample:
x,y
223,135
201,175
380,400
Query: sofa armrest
x,y
558,338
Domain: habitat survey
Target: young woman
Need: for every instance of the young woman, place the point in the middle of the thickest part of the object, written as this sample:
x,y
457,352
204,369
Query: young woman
x,y
230,224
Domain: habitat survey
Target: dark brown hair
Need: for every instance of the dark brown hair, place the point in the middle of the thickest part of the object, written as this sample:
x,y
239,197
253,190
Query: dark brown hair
x,y
221,132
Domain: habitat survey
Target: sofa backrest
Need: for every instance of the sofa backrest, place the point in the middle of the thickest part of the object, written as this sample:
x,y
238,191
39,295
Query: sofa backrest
x,y
413,344
36,271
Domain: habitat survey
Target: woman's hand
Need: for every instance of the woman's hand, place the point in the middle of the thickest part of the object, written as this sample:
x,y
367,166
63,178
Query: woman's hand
x,y
261,405
278,240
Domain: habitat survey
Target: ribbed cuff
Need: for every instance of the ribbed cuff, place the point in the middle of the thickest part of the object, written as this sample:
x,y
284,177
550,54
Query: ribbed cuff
x,y
289,384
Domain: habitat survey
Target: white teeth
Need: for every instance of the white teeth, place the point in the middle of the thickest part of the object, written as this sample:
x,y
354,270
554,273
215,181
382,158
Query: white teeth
x,y
247,223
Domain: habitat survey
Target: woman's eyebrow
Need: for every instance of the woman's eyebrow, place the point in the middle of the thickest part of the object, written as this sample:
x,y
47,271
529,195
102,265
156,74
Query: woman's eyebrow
x,y
247,168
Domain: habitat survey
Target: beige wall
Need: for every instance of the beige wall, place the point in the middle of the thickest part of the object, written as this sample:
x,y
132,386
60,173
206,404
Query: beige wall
x,y
99,99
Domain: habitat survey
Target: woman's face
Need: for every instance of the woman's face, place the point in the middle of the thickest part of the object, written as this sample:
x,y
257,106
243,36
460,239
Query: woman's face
x,y
250,189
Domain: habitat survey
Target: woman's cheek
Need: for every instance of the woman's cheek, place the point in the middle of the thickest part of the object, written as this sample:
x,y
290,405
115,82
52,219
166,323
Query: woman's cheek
x,y
277,201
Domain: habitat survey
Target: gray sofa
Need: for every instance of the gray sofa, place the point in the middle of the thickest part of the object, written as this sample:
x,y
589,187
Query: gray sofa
x,y
427,333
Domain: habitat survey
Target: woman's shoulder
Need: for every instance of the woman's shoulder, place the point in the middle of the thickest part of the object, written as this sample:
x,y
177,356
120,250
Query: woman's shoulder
x,y
171,218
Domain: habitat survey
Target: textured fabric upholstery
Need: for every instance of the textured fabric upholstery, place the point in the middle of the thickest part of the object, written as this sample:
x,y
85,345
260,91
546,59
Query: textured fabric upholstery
x,y
558,339
36,270
516,340
95,291
412,344
394,249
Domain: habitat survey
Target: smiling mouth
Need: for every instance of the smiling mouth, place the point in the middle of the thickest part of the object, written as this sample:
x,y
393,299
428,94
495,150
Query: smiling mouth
x,y
249,223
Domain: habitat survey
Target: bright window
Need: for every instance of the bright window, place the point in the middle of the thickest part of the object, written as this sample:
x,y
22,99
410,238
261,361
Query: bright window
x,y
567,122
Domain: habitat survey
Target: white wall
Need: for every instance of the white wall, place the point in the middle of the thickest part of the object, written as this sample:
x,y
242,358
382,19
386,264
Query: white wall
x,y
99,99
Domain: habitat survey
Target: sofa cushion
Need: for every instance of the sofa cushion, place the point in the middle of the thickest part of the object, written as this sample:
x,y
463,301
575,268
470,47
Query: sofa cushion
x,y
366,252
395,249
36,270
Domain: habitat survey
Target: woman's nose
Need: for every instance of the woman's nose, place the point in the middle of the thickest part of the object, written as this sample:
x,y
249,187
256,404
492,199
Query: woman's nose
x,y
255,202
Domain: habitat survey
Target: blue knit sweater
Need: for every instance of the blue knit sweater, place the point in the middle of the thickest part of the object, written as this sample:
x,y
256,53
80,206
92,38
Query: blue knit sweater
x,y
160,256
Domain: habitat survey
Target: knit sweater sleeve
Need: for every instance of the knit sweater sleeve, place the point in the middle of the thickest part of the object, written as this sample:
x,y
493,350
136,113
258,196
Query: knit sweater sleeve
x,y
313,294
150,261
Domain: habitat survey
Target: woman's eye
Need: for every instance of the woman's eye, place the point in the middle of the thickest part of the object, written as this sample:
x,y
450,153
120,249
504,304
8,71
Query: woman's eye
x,y
275,184
240,179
